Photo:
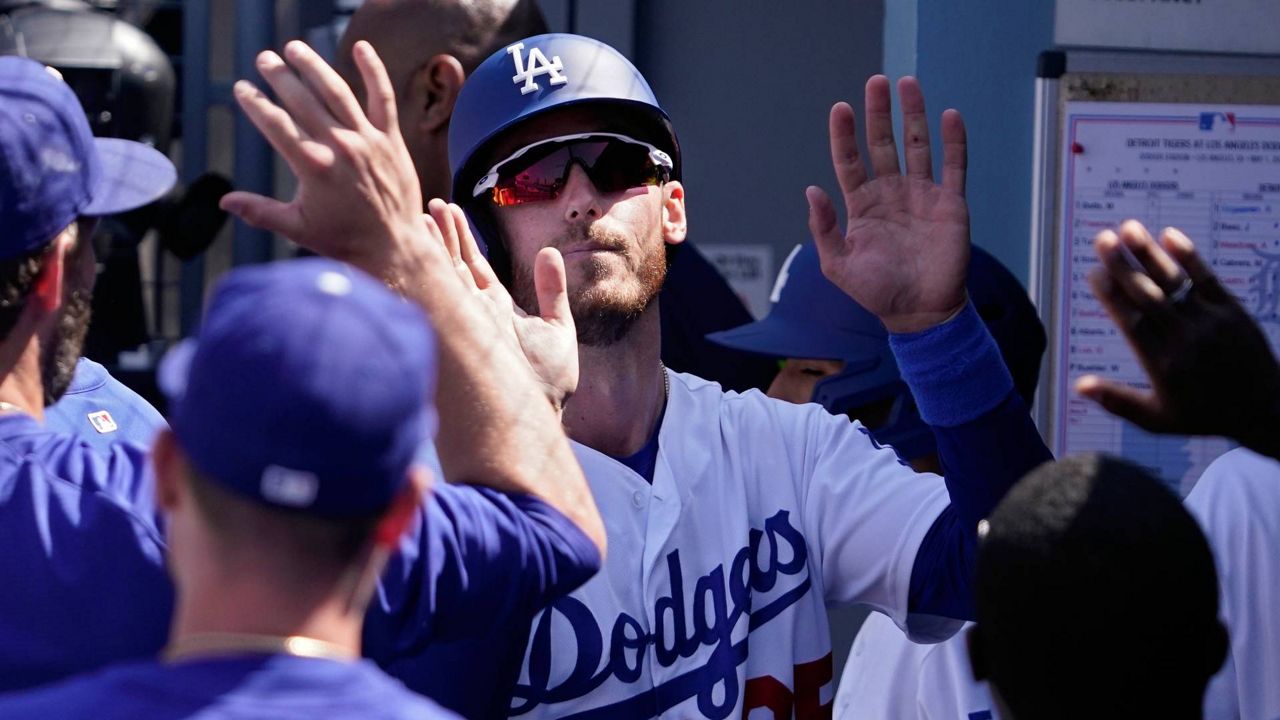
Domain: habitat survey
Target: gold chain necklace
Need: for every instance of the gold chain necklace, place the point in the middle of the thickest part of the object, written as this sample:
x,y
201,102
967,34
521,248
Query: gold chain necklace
x,y
248,643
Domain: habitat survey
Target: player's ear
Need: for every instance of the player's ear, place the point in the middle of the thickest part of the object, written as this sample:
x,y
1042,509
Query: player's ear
x,y
434,90
675,224
168,466
46,291
397,517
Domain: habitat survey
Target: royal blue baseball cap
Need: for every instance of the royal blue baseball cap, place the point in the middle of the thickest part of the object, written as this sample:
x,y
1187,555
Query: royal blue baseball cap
x,y
809,317
52,168
310,386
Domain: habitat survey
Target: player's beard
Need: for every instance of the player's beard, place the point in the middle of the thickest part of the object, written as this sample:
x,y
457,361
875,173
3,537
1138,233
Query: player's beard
x,y
61,350
602,317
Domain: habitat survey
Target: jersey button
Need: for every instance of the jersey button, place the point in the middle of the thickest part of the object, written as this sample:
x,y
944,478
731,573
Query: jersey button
x,y
637,499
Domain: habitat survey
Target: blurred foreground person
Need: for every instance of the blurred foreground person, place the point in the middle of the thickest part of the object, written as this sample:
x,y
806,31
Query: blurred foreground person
x,y
276,538
1096,597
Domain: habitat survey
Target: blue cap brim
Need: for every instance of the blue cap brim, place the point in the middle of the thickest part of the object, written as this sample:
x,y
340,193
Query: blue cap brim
x,y
130,175
174,369
786,340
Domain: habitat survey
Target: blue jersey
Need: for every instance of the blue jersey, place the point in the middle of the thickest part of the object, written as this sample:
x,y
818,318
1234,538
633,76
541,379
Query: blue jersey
x,y
101,410
84,582
280,687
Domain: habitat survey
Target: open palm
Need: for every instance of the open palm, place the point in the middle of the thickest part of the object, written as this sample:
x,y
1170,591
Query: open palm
x,y
904,253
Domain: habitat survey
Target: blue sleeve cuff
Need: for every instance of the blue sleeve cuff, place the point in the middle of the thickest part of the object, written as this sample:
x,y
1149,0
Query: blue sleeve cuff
x,y
954,370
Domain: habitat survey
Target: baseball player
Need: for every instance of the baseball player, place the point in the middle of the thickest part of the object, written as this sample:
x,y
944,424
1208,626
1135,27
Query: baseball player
x,y
837,355
84,561
101,410
279,522
429,47
732,518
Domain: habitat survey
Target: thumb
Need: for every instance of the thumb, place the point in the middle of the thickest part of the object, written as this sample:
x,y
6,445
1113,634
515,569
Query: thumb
x,y
1137,407
552,287
263,212
822,222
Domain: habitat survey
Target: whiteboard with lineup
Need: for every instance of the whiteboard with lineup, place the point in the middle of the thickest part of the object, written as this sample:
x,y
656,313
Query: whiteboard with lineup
x,y
1168,151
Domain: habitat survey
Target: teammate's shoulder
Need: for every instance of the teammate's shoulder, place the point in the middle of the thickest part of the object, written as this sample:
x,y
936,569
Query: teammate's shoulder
x,y
100,695
1239,478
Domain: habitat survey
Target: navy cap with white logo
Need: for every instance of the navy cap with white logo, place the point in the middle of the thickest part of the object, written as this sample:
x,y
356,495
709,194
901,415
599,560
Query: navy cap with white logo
x,y
52,168
310,386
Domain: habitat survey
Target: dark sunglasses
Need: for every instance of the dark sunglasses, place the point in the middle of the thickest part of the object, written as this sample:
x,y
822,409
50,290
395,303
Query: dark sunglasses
x,y
540,171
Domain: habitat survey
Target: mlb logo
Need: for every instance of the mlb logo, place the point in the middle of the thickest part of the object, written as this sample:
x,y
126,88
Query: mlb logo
x,y
103,422
1209,119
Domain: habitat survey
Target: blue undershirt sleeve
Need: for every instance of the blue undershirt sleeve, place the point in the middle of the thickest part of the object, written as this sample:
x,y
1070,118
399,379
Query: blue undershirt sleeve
x,y
986,442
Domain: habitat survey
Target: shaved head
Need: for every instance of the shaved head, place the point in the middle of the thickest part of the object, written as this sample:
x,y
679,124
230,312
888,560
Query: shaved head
x,y
429,46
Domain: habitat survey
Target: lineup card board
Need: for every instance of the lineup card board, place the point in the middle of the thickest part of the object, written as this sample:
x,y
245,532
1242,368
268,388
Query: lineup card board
x,y
1212,171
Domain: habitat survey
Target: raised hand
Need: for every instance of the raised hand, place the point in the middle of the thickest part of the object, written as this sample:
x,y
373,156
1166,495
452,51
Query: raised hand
x,y
358,198
548,342
1211,369
904,253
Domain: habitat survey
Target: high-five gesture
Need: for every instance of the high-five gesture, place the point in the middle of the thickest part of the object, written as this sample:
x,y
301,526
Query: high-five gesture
x,y
1211,369
548,341
904,253
357,185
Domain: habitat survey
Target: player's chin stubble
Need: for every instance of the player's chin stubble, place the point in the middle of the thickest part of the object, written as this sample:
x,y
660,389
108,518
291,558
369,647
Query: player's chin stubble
x,y
602,317
61,351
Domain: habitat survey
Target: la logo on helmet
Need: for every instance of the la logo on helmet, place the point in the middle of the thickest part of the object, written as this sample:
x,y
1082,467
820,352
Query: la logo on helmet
x,y
537,65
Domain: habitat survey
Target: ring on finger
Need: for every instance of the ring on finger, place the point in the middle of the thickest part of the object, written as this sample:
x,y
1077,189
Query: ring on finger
x,y
1178,296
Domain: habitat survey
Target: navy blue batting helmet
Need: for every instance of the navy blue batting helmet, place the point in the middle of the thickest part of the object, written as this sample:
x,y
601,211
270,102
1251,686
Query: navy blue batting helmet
x,y
537,75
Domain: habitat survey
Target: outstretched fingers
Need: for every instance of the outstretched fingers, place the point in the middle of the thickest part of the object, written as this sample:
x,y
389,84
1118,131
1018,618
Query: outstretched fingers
x,y
276,125
955,151
325,83
1138,407
1183,252
880,144
822,223
380,95
263,212
851,173
915,130
471,255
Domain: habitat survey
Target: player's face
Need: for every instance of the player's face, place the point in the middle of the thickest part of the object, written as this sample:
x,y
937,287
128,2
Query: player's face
x,y
613,243
61,348
799,376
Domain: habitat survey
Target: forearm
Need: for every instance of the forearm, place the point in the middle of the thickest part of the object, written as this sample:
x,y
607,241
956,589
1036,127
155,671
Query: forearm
x,y
986,442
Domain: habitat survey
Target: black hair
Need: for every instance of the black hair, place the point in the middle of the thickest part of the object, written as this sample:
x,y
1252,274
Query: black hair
x,y
1096,596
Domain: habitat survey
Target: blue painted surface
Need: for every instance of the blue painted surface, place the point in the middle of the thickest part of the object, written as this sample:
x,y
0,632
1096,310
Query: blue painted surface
x,y
980,57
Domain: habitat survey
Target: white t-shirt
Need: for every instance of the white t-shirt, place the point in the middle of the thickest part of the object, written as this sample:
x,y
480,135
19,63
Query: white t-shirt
x,y
1237,502
888,677
712,599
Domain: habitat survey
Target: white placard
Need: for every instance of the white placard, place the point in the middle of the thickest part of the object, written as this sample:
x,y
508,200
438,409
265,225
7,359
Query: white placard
x,y
1213,172
749,271
1227,26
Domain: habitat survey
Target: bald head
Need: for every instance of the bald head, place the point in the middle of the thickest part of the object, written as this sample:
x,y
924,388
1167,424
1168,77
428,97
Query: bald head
x,y
429,46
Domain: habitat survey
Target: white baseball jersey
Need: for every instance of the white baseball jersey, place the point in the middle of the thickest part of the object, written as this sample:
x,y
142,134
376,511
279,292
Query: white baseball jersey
x,y
1237,502
888,677
711,603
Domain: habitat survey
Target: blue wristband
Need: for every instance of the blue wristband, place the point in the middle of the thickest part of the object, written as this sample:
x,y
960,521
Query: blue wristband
x,y
954,370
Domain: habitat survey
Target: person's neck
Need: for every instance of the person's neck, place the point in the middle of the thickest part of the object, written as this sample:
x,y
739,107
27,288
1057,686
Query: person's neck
x,y
620,395
21,385
226,617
